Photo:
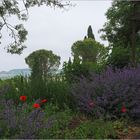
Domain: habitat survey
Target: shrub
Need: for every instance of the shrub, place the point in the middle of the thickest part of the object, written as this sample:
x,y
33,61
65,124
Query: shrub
x,y
75,69
18,86
110,92
119,57
57,131
58,91
80,129
55,89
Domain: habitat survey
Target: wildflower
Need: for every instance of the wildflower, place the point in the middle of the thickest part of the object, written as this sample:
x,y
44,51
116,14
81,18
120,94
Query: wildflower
x,y
44,101
91,104
23,98
123,109
35,105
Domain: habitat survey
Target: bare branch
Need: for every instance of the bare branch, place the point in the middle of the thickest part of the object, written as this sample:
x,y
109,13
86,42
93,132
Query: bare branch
x,y
12,31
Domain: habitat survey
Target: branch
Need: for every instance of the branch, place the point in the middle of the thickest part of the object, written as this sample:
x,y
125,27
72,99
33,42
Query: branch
x,y
12,31
2,26
25,7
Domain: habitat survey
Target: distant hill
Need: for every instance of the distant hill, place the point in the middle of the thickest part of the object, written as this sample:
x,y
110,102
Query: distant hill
x,y
14,72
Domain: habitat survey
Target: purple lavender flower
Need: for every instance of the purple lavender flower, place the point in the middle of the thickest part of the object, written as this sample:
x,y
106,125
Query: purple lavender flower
x,y
109,90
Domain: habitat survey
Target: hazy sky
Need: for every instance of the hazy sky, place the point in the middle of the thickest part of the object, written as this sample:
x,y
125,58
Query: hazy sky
x,y
56,30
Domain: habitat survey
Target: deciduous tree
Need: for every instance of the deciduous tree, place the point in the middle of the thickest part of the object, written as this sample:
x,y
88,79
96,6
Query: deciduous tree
x,y
118,31
88,50
19,9
42,63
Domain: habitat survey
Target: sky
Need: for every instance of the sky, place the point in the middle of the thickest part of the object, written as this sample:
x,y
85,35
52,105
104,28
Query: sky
x,y
56,30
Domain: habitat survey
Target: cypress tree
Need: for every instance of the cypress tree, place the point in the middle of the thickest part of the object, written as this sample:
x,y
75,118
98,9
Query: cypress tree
x,y
85,37
90,33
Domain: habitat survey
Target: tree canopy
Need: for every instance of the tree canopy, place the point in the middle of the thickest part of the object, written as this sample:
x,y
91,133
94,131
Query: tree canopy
x,y
119,58
118,28
19,9
42,62
88,50
85,50
89,55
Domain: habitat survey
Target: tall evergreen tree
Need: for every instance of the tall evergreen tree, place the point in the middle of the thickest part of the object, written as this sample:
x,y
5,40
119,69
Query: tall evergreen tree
x,y
85,37
90,33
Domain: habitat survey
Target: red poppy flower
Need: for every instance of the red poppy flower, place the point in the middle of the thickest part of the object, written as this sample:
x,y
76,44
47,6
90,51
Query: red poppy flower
x,y
91,104
123,110
44,101
36,105
23,98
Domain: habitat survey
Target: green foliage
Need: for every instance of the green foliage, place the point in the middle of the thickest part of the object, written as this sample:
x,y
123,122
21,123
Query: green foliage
x,y
60,125
97,129
44,61
42,64
117,30
89,50
90,33
85,37
55,89
18,86
85,50
17,32
75,69
119,57
86,59
58,91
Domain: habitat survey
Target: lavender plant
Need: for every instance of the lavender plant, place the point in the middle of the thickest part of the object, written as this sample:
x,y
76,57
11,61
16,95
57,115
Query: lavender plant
x,y
110,92
16,122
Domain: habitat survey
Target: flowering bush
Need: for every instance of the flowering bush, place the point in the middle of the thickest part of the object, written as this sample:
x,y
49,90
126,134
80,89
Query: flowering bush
x,y
114,93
